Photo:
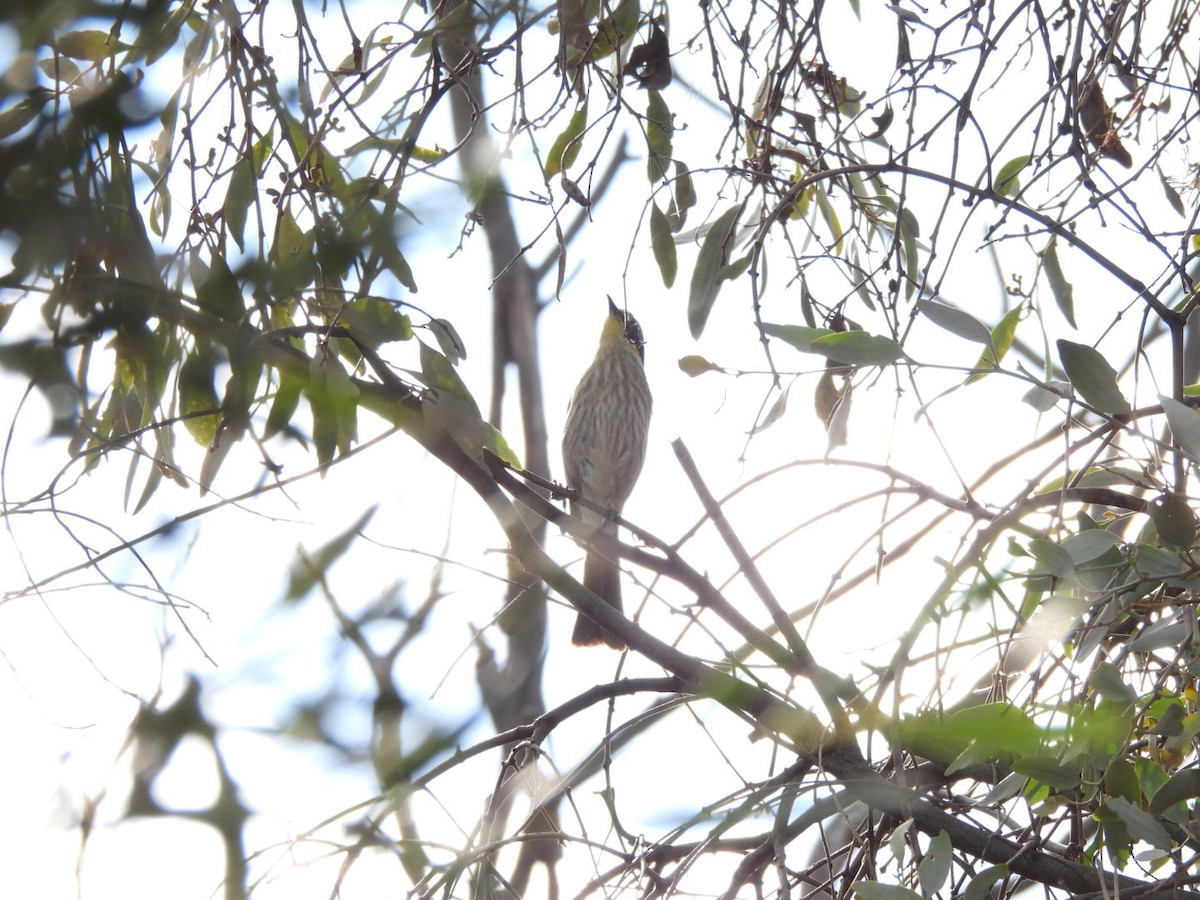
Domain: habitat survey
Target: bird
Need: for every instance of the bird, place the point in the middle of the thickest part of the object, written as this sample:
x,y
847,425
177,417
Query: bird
x,y
604,446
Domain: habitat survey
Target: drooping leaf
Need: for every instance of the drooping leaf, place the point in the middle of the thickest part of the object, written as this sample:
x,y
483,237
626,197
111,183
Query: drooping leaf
x,y
710,265
898,840
1093,377
774,414
659,134
1059,286
1185,425
291,255
284,405
567,145
935,867
448,340
238,198
197,395
663,244
693,366
650,62
685,195
219,294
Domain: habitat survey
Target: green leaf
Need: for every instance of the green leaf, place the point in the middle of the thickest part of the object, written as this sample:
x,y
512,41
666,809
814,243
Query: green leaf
x,y
1106,680
979,887
449,343
990,732
1170,718
1049,771
873,890
197,395
567,145
935,867
1185,425
1179,787
333,400
1052,559
375,321
1141,824
663,244
21,114
693,366
1120,780
1002,339
1059,286
898,840
1093,377
799,336
283,407
450,409
614,30
737,268
710,266
685,194
1173,520
774,414
439,374
238,197
1007,183
219,294
292,256
857,348
309,569
956,321
1090,544
90,45
659,130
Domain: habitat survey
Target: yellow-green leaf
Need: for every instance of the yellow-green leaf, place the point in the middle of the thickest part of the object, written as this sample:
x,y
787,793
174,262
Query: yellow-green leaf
x,y
710,266
1059,286
693,365
663,244
1002,339
1007,183
90,45
659,130
567,145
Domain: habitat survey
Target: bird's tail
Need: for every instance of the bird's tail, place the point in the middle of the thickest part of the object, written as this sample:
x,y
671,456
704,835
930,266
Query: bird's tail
x,y
601,576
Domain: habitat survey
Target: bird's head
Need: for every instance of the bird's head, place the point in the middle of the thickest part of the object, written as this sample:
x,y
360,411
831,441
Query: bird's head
x,y
620,325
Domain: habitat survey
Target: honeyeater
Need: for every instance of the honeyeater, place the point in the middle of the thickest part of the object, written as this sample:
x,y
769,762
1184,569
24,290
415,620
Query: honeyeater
x,y
604,445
